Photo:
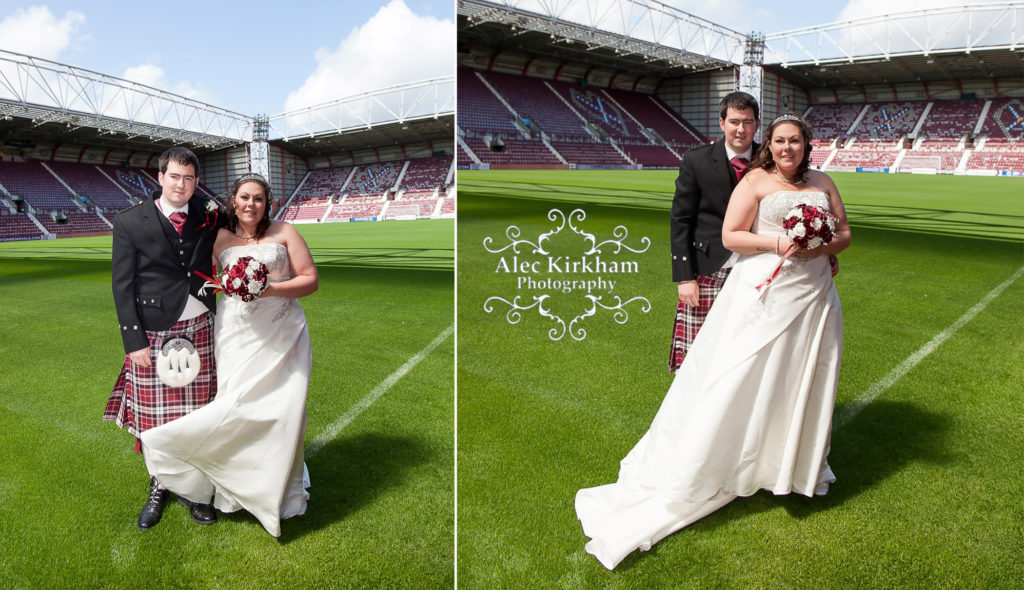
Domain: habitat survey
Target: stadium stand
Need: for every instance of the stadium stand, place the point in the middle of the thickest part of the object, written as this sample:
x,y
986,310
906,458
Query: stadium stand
x,y
34,183
133,180
515,151
887,122
860,156
830,121
478,107
654,114
651,156
322,183
426,173
1005,120
17,226
307,211
356,208
589,153
998,160
535,102
89,182
599,110
374,179
950,120
74,223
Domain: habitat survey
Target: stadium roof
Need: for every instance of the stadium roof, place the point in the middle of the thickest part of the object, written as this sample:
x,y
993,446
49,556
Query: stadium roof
x,y
45,102
641,36
947,44
419,112
943,44
44,93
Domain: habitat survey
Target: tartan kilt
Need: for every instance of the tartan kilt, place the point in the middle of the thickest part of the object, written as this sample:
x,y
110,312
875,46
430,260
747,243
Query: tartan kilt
x,y
689,318
140,400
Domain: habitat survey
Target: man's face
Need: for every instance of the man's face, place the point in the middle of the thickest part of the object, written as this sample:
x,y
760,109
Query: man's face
x,y
739,128
178,183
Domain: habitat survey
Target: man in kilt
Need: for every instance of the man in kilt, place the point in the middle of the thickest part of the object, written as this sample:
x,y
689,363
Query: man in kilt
x,y
706,178
158,246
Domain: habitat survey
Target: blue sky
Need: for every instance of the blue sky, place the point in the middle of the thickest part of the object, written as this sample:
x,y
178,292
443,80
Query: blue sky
x,y
268,57
248,56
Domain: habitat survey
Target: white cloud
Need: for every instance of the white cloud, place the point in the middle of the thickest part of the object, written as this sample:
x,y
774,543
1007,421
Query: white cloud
x,y
856,9
37,32
395,46
154,75
946,31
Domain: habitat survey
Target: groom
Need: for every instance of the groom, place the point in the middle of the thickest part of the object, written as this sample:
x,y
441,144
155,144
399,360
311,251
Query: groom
x,y
707,176
158,246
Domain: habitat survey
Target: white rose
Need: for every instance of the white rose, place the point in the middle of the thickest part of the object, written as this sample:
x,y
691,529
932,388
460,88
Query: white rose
x,y
798,230
816,224
236,283
813,243
255,287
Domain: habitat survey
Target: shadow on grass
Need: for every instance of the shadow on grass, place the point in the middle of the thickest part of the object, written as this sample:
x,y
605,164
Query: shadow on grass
x,y
405,258
26,270
883,439
350,473
986,226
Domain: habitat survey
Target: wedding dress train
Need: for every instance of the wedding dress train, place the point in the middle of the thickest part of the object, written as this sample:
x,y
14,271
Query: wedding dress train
x,y
749,409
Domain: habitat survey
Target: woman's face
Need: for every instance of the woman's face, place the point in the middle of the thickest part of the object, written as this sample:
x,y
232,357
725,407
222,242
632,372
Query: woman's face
x,y
250,203
787,146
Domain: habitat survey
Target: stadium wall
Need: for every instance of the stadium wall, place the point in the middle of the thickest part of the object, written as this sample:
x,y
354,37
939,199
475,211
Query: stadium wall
x,y
919,91
779,95
696,97
222,167
87,155
286,171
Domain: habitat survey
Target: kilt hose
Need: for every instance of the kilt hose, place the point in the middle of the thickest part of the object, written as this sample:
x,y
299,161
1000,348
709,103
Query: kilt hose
x,y
689,318
140,400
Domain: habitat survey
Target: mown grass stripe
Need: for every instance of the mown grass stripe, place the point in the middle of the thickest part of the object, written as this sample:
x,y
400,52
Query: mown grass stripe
x,y
849,410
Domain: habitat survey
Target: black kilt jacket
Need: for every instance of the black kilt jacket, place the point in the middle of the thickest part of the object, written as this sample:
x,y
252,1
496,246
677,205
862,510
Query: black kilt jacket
x,y
703,188
153,268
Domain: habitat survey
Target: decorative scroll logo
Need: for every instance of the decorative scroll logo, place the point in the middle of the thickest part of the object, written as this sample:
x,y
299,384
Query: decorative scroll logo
x,y
538,269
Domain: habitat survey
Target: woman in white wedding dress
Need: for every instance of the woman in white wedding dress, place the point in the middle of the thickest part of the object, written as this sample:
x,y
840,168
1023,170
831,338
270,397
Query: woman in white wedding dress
x,y
249,440
751,406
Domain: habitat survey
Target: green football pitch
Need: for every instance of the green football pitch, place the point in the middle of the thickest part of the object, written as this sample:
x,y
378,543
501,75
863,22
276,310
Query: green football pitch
x,y
382,499
928,439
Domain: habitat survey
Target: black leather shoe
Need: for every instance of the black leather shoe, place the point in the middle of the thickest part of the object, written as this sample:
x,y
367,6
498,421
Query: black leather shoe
x,y
154,507
201,513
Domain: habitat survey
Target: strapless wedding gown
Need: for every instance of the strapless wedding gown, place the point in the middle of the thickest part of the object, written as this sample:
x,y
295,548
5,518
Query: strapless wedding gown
x,y
249,440
749,409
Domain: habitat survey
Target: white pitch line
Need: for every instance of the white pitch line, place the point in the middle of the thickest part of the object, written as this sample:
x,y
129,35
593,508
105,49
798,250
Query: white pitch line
x,y
334,428
851,409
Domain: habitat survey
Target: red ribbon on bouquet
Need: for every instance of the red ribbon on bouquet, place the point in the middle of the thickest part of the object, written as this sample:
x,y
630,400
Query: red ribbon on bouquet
x,y
768,280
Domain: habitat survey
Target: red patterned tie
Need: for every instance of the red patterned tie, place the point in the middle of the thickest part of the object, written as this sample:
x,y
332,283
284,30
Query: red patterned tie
x,y
739,166
177,220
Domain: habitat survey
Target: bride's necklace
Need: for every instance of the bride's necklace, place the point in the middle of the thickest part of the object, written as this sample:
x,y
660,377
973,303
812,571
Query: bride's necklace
x,y
787,180
242,236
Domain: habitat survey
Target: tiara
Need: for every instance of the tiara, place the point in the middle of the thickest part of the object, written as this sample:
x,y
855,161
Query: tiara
x,y
787,117
251,176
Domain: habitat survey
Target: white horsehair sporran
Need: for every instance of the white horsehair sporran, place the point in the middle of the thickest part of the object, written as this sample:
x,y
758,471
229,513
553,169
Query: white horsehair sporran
x,y
178,362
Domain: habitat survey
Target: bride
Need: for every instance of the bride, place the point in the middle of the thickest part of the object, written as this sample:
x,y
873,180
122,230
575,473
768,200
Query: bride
x,y
751,406
249,440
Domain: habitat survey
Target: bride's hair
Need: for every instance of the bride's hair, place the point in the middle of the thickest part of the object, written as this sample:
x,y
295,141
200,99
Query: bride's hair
x,y
764,158
263,224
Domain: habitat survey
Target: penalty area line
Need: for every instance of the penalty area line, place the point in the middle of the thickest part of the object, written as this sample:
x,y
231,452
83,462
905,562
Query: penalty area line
x,y
334,428
851,409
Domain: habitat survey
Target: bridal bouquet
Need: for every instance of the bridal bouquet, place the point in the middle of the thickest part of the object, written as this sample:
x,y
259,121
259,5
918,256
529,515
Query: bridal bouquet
x,y
245,279
809,227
